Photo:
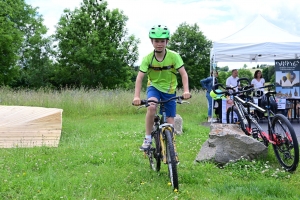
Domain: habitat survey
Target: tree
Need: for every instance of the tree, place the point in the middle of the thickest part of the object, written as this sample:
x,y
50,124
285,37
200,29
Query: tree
x,y
23,47
94,48
224,69
11,38
223,76
245,66
194,49
36,67
265,74
245,73
271,72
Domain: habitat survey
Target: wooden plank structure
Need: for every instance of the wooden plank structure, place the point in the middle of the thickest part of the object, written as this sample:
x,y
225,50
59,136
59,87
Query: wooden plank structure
x,y
25,126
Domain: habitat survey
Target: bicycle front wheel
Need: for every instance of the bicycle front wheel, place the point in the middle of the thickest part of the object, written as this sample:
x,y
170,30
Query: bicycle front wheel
x,y
171,159
234,117
156,149
286,147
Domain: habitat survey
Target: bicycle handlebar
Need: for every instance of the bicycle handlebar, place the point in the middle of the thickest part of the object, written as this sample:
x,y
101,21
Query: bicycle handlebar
x,y
266,86
243,79
179,98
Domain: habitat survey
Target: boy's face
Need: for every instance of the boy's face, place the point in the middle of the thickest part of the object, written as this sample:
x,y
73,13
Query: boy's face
x,y
159,44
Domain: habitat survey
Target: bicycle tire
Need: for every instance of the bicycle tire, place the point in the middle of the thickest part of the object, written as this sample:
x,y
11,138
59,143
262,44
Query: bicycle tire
x,y
171,159
155,163
286,148
230,120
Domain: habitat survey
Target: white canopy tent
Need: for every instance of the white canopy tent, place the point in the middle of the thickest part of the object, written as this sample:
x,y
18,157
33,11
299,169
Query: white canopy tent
x,y
260,41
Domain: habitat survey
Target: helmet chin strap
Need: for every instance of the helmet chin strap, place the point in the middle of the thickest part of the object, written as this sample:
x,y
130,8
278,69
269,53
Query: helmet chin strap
x,y
158,51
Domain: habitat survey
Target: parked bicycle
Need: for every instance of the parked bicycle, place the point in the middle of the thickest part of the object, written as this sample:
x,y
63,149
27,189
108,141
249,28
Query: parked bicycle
x,y
163,147
281,133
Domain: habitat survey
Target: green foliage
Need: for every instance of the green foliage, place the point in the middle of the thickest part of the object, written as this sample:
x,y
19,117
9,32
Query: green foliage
x,y
268,72
25,51
36,66
94,49
223,76
245,73
223,69
194,49
12,13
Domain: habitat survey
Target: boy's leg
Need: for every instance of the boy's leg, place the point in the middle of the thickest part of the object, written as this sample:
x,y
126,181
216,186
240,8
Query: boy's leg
x,y
152,94
170,107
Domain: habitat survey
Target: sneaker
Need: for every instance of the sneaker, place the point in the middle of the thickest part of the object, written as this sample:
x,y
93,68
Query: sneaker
x,y
146,144
212,120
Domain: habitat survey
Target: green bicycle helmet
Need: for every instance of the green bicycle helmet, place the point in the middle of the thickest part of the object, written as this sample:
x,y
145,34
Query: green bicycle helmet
x,y
159,32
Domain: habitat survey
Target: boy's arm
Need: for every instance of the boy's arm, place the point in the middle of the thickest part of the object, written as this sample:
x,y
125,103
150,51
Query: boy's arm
x,y
185,82
138,87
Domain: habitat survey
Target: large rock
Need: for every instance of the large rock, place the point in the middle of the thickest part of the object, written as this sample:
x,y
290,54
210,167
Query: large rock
x,y
178,124
227,142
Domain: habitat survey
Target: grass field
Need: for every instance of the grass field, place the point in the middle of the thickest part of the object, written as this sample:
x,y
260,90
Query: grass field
x,y
98,156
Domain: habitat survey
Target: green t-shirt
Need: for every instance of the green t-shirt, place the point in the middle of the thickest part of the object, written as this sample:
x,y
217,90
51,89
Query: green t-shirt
x,y
162,75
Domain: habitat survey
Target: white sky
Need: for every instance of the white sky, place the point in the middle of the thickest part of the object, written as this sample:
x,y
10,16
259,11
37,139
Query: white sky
x,y
217,19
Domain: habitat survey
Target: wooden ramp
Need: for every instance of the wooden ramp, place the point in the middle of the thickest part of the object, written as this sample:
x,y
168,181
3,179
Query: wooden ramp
x,y
24,126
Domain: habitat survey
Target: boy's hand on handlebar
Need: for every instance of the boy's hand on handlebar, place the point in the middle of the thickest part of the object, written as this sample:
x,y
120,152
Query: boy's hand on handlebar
x,y
186,95
136,101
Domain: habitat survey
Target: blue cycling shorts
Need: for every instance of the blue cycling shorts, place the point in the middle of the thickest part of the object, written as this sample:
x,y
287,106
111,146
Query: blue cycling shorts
x,y
170,106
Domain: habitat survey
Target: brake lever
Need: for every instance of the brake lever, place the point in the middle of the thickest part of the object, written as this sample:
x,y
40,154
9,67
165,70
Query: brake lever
x,y
141,106
182,102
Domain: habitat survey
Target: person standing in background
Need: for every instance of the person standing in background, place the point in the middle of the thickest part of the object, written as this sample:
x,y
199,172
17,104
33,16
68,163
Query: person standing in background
x,y
231,81
258,81
207,84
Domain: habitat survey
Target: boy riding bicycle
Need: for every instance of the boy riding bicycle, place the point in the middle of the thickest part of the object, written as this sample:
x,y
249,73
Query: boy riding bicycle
x,y
161,67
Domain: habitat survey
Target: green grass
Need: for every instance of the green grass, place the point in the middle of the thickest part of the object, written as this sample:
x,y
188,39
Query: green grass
x,y
98,156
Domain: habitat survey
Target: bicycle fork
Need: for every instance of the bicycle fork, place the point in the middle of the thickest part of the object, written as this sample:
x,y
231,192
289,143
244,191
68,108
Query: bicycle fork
x,y
162,139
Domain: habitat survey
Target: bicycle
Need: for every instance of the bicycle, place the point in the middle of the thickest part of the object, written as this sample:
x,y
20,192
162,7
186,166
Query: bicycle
x,y
163,148
281,133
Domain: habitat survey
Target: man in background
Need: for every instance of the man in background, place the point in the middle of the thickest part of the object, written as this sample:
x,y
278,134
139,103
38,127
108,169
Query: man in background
x,y
231,81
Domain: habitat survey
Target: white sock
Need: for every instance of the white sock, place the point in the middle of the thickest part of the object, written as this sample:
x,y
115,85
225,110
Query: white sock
x,y
148,137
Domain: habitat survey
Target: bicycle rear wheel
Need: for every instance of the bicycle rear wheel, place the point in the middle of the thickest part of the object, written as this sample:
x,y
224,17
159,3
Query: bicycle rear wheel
x,y
286,148
156,152
171,159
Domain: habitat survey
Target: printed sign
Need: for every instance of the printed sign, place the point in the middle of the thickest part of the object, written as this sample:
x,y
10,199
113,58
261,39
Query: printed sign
x,y
281,103
225,105
287,77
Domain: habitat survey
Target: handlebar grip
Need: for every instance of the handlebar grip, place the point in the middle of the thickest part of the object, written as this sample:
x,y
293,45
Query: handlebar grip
x,y
143,102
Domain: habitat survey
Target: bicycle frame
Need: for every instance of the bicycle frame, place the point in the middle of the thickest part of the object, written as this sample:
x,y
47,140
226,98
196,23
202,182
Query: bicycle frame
x,y
284,140
238,102
164,140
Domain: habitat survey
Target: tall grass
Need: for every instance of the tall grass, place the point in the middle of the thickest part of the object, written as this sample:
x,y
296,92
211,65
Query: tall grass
x,y
98,156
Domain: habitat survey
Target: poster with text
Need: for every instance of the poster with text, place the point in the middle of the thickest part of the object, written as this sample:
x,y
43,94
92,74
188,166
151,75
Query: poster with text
x,y
287,78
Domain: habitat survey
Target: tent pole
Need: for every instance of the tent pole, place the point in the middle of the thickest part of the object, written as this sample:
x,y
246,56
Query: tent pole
x,y
212,68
